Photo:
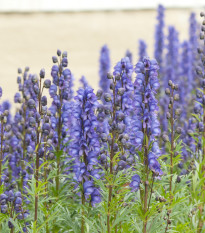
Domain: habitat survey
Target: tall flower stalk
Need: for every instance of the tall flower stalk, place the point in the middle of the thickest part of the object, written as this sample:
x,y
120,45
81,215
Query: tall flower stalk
x,y
172,115
159,36
104,68
146,85
200,108
85,148
61,92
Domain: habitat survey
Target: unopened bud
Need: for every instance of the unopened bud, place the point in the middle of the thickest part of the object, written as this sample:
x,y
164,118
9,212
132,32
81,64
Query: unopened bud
x,y
112,86
107,97
99,93
167,91
178,179
176,97
202,28
117,77
6,112
178,111
176,87
109,76
178,130
165,138
201,36
168,115
199,50
202,14
121,91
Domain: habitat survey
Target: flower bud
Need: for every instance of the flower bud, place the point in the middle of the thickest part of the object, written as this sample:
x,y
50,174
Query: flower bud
x,y
36,89
32,122
47,83
173,86
176,97
178,130
121,91
51,156
19,71
103,137
44,100
199,50
168,115
117,77
120,116
55,59
199,70
170,83
202,14
7,128
107,110
6,113
59,52
27,68
112,86
31,104
165,138
99,93
178,179
42,73
65,62
128,145
201,36
65,54
4,119
167,91
19,80
109,76
107,97
178,111
34,79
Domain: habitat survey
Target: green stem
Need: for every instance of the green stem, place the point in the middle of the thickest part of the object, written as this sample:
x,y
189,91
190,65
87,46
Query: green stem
x,y
46,188
37,160
59,136
111,165
171,157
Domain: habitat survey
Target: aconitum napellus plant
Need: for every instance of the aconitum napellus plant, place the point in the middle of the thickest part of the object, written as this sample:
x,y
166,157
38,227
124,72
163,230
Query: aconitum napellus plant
x,y
128,157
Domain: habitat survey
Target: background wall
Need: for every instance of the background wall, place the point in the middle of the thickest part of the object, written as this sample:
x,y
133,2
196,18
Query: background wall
x,y
32,39
90,5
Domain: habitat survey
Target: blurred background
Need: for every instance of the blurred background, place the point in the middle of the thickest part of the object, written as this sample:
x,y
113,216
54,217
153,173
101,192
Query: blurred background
x,y
32,31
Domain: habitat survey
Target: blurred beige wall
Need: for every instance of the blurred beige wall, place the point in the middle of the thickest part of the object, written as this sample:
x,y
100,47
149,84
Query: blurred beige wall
x,y
32,39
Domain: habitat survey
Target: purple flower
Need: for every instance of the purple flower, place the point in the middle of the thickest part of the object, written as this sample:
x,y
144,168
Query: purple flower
x,y
104,68
142,50
88,187
135,183
159,36
53,90
0,92
95,197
